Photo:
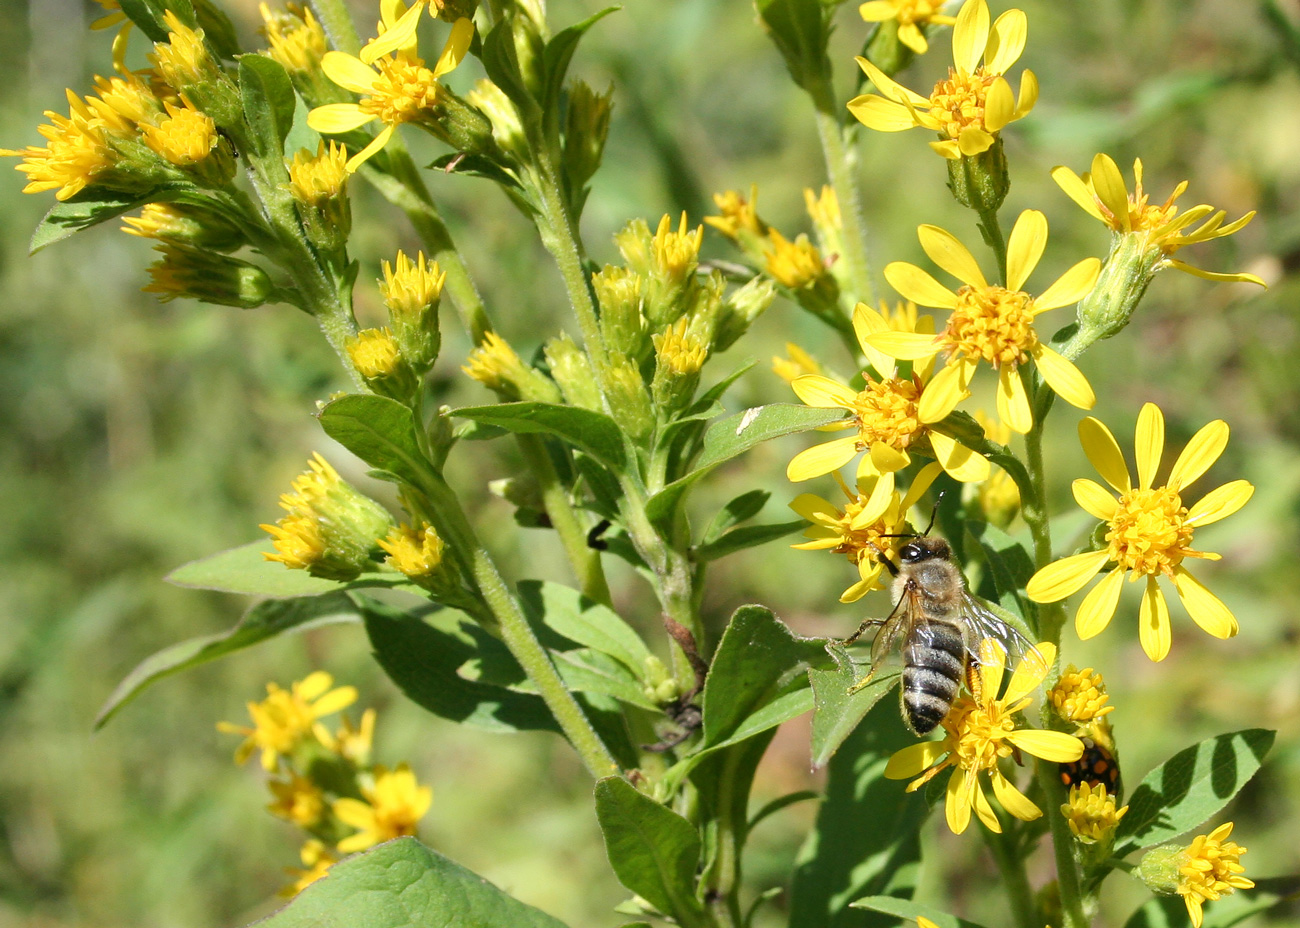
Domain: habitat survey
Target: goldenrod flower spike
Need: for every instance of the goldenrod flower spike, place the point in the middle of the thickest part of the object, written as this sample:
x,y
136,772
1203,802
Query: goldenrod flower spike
x,y
393,807
988,323
975,101
286,717
1149,532
910,15
1103,194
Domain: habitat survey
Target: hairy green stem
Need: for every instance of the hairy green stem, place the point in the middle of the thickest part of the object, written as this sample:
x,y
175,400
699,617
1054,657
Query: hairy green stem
x,y
1067,871
337,22
841,168
992,229
1015,881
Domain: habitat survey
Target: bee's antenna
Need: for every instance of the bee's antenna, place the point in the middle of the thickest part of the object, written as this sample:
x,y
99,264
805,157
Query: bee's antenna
x,y
933,515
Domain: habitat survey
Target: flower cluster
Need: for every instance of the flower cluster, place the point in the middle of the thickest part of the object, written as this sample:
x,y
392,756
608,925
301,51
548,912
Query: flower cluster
x,y
325,782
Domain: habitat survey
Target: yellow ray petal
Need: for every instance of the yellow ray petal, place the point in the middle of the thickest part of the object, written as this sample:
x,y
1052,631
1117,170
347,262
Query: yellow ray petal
x,y
1025,246
314,684
1011,799
1030,671
944,392
334,701
1028,93
1006,41
973,140
970,36
1077,190
885,459
890,88
1103,451
876,503
914,759
816,390
374,147
1241,277
1064,577
910,34
397,35
906,346
348,72
999,105
1098,607
1013,401
1206,609
875,112
921,484
1220,503
867,322
821,459
810,506
1109,186
462,33
1054,746
1200,454
961,463
947,148
877,11
1094,499
983,809
946,251
918,286
1063,377
1153,622
956,806
1149,443
1070,287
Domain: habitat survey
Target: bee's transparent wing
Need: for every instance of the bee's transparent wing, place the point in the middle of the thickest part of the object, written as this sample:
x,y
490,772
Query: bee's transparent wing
x,y
892,628
979,623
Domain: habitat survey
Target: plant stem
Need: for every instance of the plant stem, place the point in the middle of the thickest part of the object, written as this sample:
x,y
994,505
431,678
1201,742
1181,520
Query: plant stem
x,y
1014,879
992,228
1067,873
841,168
337,22
564,519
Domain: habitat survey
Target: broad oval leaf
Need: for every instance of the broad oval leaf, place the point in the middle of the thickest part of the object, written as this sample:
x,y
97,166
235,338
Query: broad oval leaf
x,y
245,570
654,851
402,883
1187,789
584,621
380,431
593,432
264,620
268,101
836,711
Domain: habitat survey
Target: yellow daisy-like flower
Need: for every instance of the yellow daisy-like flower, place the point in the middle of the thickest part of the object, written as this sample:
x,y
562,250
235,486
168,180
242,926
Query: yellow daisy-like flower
x,y
353,744
989,323
79,149
1148,532
974,102
1080,695
886,412
796,365
1211,868
394,806
911,15
297,800
316,861
739,215
980,732
862,531
1104,196
1091,813
394,83
286,717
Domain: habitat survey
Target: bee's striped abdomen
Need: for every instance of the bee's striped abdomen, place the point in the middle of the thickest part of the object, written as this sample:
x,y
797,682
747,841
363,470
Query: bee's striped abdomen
x,y
932,674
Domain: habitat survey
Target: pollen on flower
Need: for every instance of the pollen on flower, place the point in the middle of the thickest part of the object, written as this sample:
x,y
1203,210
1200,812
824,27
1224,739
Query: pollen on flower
x,y
958,101
416,552
678,350
992,323
1150,532
793,264
1211,868
317,179
410,287
404,91
184,137
885,411
1080,695
375,353
1091,814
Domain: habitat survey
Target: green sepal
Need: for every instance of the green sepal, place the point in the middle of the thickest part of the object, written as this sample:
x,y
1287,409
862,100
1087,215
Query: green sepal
x,y
264,620
401,883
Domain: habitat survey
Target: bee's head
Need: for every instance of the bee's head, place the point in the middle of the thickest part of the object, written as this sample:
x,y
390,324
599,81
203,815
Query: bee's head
x,y
924,548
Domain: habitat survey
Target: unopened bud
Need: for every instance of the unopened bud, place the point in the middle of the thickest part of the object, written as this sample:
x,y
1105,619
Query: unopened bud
x,y
208,276
572,371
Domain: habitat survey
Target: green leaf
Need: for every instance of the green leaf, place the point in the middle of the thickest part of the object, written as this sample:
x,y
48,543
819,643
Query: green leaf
x,y
400,884
91,207
245,570
748,536
734,435
741,509
470,165
836,712
501,61
268,101
378,430
1010,565
588,671
800,32
781,802
905,908
654,851
847,855
593,432
583,620
148,16
1191,786
264,620
558,54
1171,911
423,661
217,29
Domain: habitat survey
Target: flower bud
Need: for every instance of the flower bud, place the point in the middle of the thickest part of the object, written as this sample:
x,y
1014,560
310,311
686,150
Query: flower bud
x,y
620,292
739,310
678,359
319,187
628,401
412,291
633,242
186,64
495,365
572,371
188,139
674,256
205,275
587,127
420,554
377,356
1120,286
185,224
738,220
507,128
1091,814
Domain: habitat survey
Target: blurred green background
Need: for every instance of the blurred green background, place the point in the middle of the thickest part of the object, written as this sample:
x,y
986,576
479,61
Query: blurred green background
x,y
138,436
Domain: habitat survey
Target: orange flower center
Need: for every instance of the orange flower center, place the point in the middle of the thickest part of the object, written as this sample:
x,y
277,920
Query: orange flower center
x,y
1149,532
886,412
957,102
992,323
403,91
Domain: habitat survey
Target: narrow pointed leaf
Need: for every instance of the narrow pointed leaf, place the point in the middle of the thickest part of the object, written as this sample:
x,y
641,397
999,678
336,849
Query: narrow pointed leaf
x,y
592,432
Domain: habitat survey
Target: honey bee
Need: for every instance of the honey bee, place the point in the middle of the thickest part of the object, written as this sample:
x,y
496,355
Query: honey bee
x,y
938,626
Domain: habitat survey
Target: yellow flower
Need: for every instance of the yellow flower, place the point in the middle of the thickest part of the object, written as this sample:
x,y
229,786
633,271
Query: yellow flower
x,y
886,413
374,353
862,530
798,364
352,744
297,40
394,806
418,553
411,287
78,150
395,88
971,105
739,214
1091,813
317,179
297,800
1149,532
285,717
316,859
183,59
911,15
796,264
989,323
1080,695
980,732
184,138
1211,868
1103,195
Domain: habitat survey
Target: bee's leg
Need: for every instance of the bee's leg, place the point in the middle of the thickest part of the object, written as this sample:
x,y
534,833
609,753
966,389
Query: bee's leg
x,y
925,777
861,684
869,623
